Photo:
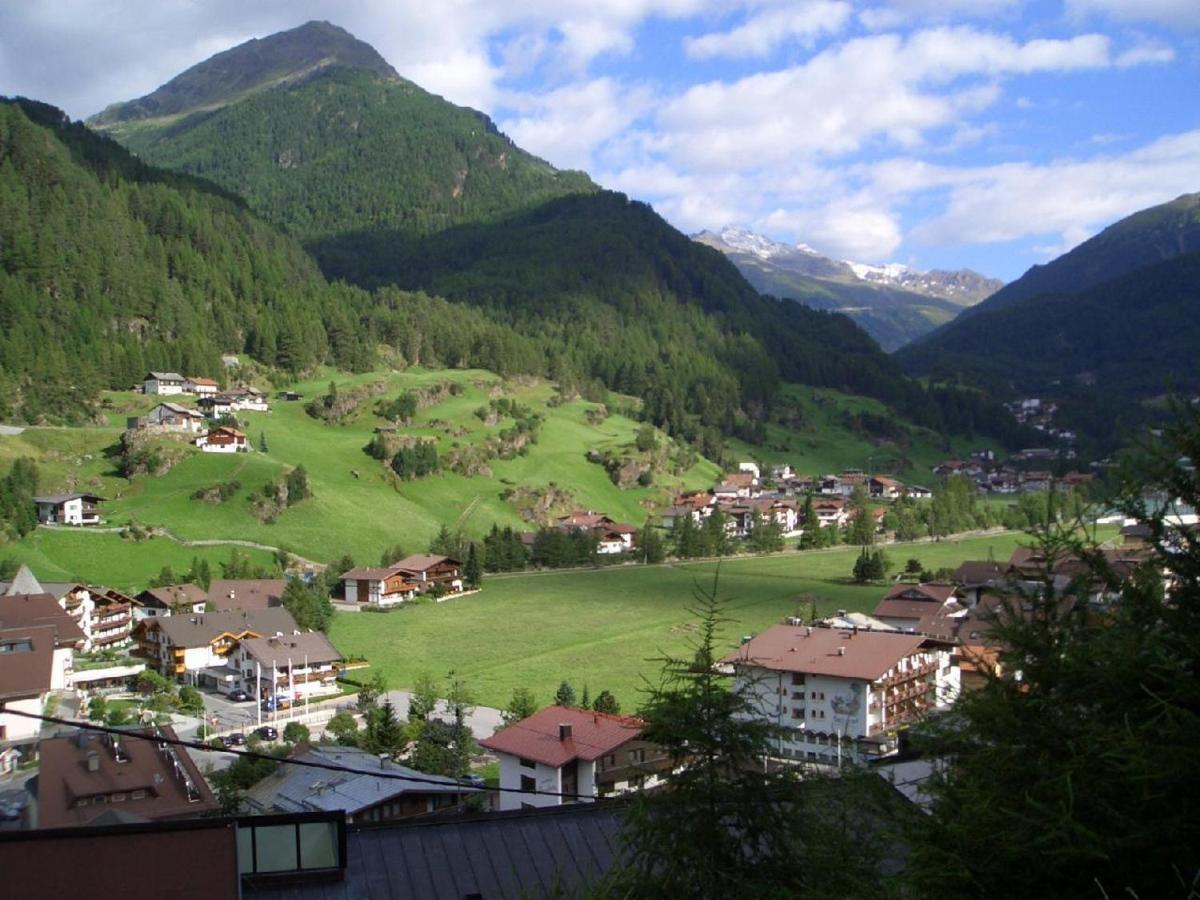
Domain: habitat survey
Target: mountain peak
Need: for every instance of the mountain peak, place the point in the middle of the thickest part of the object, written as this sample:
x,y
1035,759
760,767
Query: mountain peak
x,y
256,65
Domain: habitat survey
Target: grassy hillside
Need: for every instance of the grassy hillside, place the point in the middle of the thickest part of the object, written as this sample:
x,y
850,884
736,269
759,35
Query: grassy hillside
x,y
822,431
347,514
604,628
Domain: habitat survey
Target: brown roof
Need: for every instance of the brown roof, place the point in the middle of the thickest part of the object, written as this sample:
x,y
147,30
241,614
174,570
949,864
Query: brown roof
x,y
201,629
738,479
422,562
930,592
207,381
867,655
27,610
172,595
123,765
979,571
312,645
259,593
27,660
367,573
592,735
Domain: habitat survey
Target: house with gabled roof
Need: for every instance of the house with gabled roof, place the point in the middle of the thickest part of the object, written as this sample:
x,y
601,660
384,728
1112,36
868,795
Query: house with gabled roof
x,y
841,694
201,387
922,608
403,580
577,753
285,668
168,416
223,439
77,508
187,645
29,671
163,383
172,599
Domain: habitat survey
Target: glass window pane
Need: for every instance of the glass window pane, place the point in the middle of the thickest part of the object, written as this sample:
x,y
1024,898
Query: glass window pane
x,y
276,848
245,850
318,845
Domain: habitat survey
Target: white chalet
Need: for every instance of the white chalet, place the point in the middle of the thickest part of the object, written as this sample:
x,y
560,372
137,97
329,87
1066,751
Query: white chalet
x,y
839,694
163,383
68,509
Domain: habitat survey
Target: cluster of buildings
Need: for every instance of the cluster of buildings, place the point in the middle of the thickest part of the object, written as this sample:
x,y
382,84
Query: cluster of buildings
x,y
169,417
612,537
1022,474
746,498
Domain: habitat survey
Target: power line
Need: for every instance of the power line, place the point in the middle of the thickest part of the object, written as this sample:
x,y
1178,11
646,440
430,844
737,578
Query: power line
x,y
254,754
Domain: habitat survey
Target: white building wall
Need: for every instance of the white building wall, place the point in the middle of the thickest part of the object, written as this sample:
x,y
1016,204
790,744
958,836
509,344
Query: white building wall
x,y
62,666
351,590
546,778
20,728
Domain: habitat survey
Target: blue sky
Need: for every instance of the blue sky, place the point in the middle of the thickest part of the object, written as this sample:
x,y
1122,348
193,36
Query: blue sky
x,y
992,134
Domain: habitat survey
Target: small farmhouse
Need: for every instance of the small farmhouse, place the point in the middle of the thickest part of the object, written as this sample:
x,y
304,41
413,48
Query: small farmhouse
x,y
223,440
163,383
68,509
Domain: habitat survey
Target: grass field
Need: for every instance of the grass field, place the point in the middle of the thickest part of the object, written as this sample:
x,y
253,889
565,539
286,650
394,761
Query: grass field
x,y
107,559
601,628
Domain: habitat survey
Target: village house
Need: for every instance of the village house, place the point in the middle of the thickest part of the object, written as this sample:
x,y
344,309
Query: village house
x,y
831,512
698,506
737,486
200,387
366,788
1032,482
42,610
104,615
185,646
163,383
28,672
249,399
842,695
881,487
86,778
917,492
173,599
612,537
168,416
929,609
223,440
217,405
583,754
252,593
287,668
389,585
68,509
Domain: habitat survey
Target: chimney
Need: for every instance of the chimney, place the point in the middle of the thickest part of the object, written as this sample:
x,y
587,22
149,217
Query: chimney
x,y
841,651
564,732
383,758
93,761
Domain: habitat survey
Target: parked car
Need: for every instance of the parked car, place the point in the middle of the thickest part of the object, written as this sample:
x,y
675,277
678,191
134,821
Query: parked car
x,y
267,733
476,781
238,696
233,740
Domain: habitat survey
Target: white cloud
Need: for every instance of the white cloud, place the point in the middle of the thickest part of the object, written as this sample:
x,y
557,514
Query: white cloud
x,y
1181,14
869,88
764,32
1145,52
569,124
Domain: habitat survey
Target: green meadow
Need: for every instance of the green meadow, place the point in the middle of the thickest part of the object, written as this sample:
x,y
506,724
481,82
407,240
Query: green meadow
x,y
604,628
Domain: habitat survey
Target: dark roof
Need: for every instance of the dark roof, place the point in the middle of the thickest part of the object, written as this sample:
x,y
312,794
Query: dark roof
x,y
931,592
258,593
172,595
422,562
312,645
200,629
123,765
519,854
979,571
57,499
27,662
592,735
29,610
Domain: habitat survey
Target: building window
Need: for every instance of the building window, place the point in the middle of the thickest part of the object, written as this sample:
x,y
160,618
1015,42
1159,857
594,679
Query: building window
x,y
797,714
528,783
797,678
637,756
527,763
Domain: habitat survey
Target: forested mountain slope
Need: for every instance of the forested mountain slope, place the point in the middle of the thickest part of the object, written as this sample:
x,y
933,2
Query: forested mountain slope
x,y
1133,337
109,267
340,147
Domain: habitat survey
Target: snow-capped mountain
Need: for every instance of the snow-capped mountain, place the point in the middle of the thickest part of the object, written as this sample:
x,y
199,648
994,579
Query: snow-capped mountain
x,y
962,287
893,302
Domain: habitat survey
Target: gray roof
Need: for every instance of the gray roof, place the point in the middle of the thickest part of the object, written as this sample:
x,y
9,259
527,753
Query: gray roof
x,y
520,854
24,583
165,376
63,498
313,646
301,789
199,629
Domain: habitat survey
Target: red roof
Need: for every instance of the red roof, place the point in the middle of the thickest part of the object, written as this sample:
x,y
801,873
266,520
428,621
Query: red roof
x,y
863,655
593,735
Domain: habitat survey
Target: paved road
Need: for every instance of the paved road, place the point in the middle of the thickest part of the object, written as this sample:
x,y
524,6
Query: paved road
x,y
483,721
